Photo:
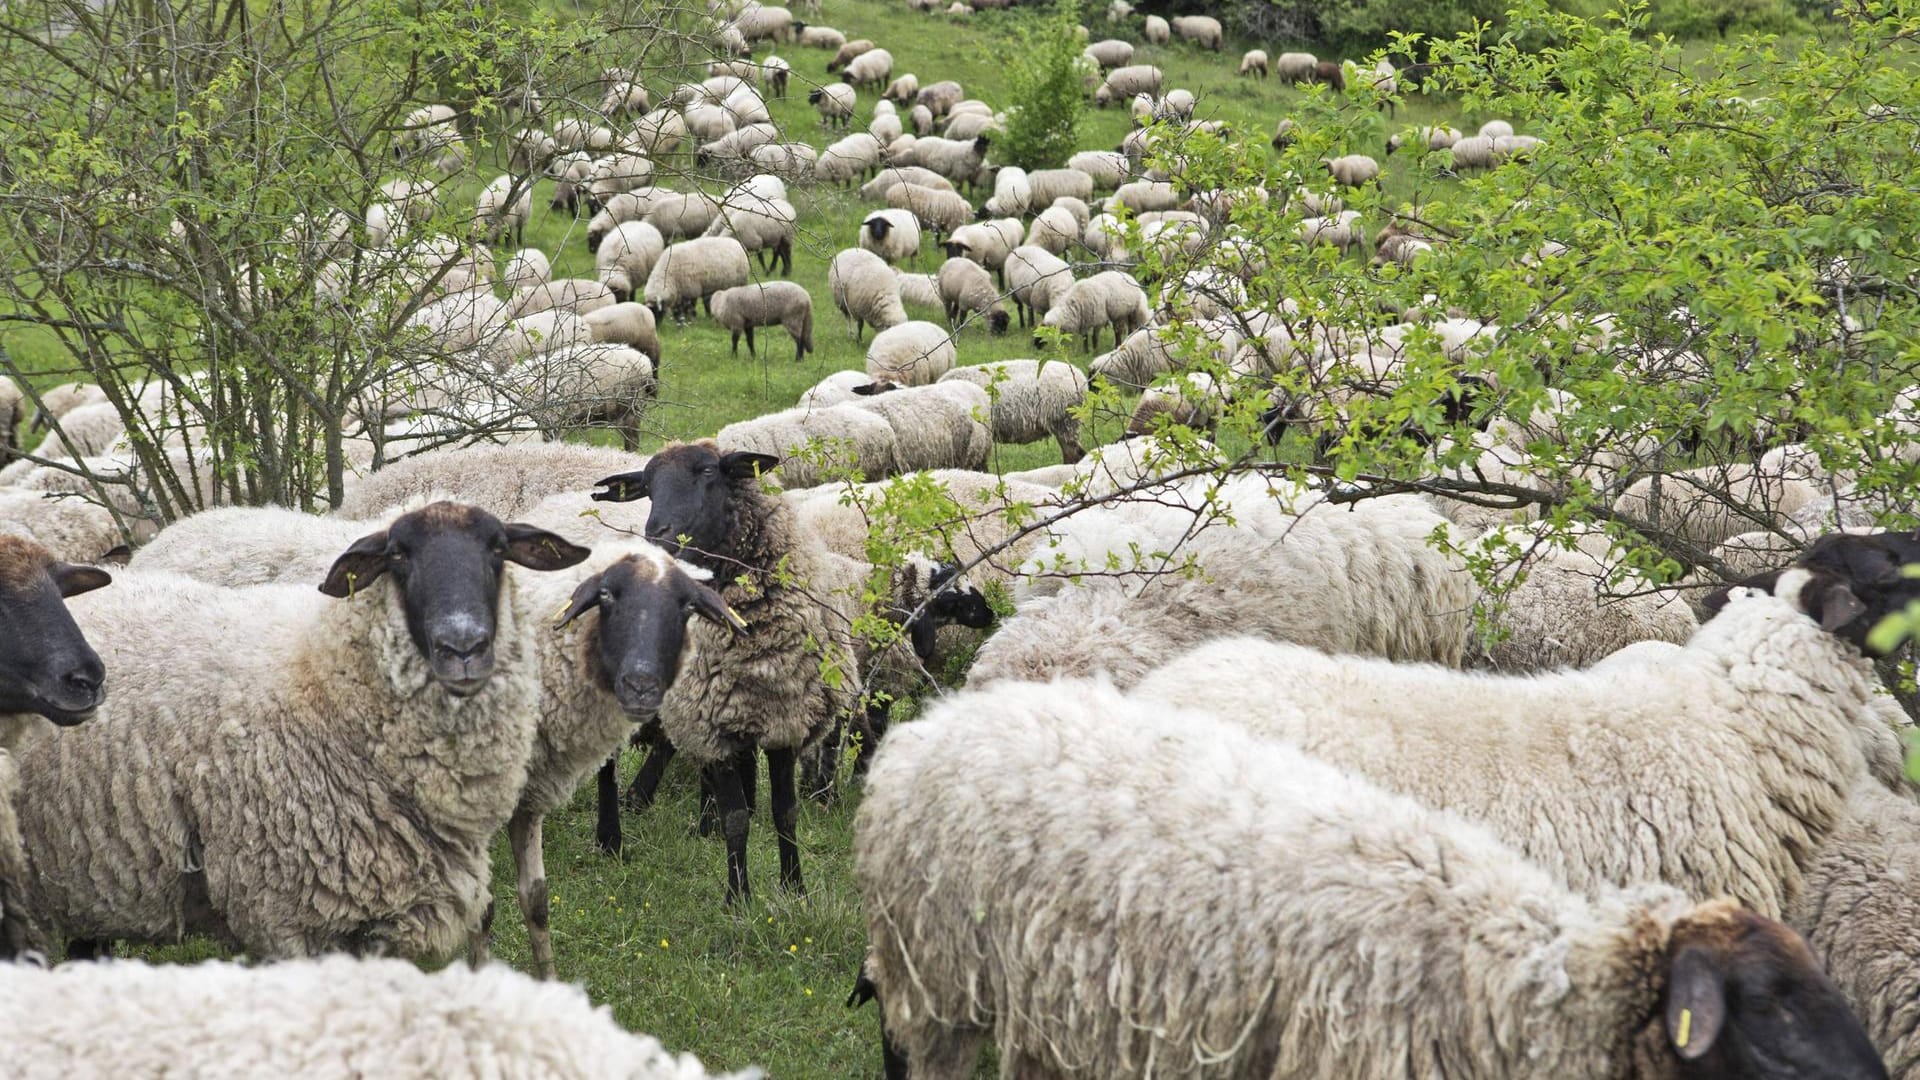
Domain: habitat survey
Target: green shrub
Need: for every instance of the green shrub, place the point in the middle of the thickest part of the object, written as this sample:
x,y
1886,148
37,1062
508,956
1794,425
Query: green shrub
x,y
1046,83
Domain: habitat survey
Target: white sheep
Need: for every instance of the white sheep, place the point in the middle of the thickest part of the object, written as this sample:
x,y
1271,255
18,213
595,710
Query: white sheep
x,y
819,37
835,389
1156,30
693,270
835,104
941,426
1352,170
627,255
376,1017
498,212
864,289
1254,62
848,52
894,235
1202,30
1053,231
965,288
1045,186
1034,276
1111,53
1031,400
910,354
1123,83
506,481
765,227
871,68
527,267
1012,192
773,303
939,212
1108,300
1472,152
848,159
1123,889
817,444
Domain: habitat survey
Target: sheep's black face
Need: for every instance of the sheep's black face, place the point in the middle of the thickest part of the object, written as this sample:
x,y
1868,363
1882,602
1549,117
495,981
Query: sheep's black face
x,y
997,322
878,228
643,605
1746,999
46,665
691,486
447,560
1844,582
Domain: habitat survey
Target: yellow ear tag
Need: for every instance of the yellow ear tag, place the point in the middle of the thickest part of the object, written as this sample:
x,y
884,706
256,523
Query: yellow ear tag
x,y
1686,1029
736,615
560,612
353,581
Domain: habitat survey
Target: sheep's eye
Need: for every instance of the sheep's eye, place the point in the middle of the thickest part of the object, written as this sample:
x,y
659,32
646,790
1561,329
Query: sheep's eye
x,y
498,547
606,596
396,555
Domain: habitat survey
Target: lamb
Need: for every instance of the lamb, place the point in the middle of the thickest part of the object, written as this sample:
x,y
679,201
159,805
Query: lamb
x,y
1780,707
894,235
865,291
1031,400
1110,53
817,444
939,211
847,53
1380,588
910,354
942,426
774,303
775,688
1352,170
693,270
627,254
1124,82
1254,62
763,226
299,1018
848,160
965,287
1156,31
1109,299
289,702
1034,275
499,212
1154,849
873,67
47,670
626,324
1202,30
834,103
506,481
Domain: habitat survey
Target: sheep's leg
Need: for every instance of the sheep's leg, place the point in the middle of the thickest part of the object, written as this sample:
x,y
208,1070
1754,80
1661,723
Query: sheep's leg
x,y
480,940
750,350
748,763
530,870
725,777
646,782
606,830
786,818
734,348
822,766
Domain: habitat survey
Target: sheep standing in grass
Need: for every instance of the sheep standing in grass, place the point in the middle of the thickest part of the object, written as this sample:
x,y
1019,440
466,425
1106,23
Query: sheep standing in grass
x,y
692,271
1031,400
1352,170
1202,30
988,243
864,289
910,354
848,159
775,688
626,324
775,303
498,212
967,289
1034,276
834,103
894,235
627,255
937,211
1108,300
871,68
1124,83
1156,31
277,749
764,226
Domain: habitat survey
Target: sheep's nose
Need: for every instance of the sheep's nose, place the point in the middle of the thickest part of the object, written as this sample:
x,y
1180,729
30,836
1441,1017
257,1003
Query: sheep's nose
x,y
87,678
463,642
640,690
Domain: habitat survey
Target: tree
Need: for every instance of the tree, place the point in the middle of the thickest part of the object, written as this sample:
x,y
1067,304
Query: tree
x,y
1044,83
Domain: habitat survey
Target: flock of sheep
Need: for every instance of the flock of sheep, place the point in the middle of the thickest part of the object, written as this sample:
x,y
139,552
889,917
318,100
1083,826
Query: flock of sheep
x,y
1247,822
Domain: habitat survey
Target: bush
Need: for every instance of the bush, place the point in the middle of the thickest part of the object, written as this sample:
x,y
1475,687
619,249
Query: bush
x,y
1046,79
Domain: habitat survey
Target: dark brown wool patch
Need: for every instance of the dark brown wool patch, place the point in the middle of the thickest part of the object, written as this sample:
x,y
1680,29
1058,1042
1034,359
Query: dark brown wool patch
x,y
21,562
447,515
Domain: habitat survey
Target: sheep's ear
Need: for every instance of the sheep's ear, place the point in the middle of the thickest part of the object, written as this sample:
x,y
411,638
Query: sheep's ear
x,y
1696,1003
537,549
1836,606
872,388
625,487
744,465
708,605
357,567
586,597
73,580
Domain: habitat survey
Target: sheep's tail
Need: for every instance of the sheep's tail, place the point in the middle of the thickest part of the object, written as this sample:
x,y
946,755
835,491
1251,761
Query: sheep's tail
x,y
806,330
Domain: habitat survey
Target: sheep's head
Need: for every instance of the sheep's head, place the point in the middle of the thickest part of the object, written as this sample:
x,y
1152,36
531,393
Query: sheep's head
x,y
447,560
692,488
1847,583
1745,998
46,665
643,602
997,321
620,284
878,227
813,96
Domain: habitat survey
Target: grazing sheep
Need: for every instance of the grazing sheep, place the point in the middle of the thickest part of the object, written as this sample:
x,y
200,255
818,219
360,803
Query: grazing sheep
x,y
1254,62
527,267
1110,53
774,303
1431,137
834,103
1507,147
1047,186
498,212
910,354
988,243
940,212
1472,152
848,159
1034,276
1784,705
1567,609
850,440
885,180
657,133
818,37
894,235
301,1018
1109,299
1343,230
681,215
765,228
413,683
1012,193
941,426
1352,170
1053,231
1031,400
1494,129
1194,400
693,270
1329,74
961,161
1156,31
847,53
1144,197
1202,30
1123,83
865,291
921,290
965,287
1118,888
576,295
628,254
778,686
506,481
871,68
1295,67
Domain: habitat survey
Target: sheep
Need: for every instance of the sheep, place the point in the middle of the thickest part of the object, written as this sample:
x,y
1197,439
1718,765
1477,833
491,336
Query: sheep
x,y
848,439
871,68
506,481
1124,82
303,1017
865,291
922,290
1352,170
791,161
759,23
894,235
657,133
1202,30
834,103
910,354
1109,299
1254,62
1472,152
1778,705
290,699
1031,400
1040,853
1110,53
1432,138
47,669
260,545
624,207
1380,588
847,53
965,287
988,243
764,227
818,37
777,687
1045,186
627,254
693,270
1343,230
961,161
1012,193
585,384
497,212
940,212
962,126
941,426
1295,67
836,389
1565,609
1034,276
848,159
774,303
1143,196
1707,505
1109,168
1194,400
1053,231
527,267
1156,31
618,172
425,129
681,215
